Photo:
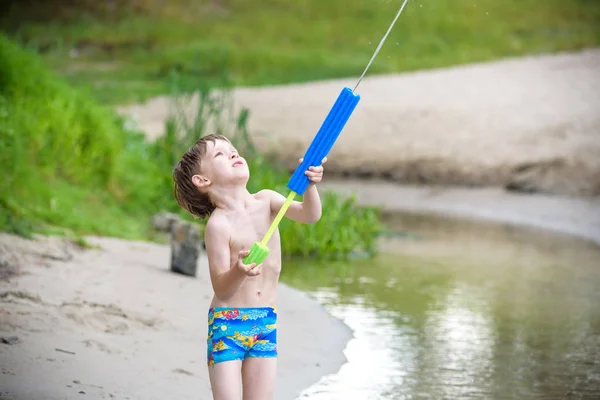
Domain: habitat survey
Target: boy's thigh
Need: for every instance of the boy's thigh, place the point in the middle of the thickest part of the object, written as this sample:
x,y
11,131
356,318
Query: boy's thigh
x,y
258,377
225,380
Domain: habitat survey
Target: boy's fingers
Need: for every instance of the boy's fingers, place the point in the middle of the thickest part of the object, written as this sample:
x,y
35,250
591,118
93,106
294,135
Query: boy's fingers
x,y
247,267
318,169
324,160
314,174
255,271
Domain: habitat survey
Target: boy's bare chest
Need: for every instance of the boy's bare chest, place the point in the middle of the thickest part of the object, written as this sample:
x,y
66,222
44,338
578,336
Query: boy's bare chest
x,y
250,226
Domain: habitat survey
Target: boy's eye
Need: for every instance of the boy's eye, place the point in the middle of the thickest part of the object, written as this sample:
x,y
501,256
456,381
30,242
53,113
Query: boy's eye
x,y
218,154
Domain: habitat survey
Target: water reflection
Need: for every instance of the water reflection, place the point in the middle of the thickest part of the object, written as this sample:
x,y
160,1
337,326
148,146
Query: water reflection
x,y
461,342
474,312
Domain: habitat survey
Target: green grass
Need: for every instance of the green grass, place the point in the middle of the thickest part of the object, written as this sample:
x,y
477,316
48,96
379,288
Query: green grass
x,y
66,160
126,55
70,166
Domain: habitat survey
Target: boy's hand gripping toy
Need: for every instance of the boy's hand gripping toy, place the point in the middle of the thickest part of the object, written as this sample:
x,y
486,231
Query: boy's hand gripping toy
x,y
318,149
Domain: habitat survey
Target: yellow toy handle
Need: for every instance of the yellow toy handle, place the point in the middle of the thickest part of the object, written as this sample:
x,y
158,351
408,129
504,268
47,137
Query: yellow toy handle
x,y
259,250
278,218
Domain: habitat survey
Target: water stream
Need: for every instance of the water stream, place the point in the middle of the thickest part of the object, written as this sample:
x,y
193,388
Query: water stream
x,y
463,310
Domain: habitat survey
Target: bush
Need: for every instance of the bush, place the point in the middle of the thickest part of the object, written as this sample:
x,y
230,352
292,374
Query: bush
x,y
70,163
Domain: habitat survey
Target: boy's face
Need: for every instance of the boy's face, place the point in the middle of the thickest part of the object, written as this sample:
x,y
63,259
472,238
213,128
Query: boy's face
x,y
223,165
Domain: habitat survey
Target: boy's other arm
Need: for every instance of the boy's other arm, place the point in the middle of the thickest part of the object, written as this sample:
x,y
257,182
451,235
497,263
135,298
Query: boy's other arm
x,y
306,212
226,278
309,210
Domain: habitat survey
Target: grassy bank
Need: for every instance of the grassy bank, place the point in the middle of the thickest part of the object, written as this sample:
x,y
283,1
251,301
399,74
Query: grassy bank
x,y
124,50
70,165
67,161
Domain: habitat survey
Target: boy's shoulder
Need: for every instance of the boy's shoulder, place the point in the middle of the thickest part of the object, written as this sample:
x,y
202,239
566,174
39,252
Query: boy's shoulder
x,y
217,222
265,194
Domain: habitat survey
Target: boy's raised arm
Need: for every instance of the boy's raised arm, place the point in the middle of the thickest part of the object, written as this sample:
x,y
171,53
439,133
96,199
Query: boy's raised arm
x,y
306,212
309,210
225,276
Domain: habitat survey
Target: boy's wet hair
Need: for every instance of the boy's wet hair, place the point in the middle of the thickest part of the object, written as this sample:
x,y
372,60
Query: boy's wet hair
x,y
188,196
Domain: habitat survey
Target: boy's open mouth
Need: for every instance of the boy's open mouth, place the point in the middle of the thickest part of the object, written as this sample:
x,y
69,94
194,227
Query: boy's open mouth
x,y
235,164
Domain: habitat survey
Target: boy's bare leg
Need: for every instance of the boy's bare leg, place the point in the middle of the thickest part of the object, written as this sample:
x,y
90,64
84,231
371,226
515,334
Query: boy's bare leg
x,y
225,380
258,377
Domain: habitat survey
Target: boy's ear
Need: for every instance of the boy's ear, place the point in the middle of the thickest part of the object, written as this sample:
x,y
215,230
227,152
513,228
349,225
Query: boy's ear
x,y
200,181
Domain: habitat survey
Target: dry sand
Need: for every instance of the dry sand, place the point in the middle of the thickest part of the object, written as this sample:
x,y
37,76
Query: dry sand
x,y
532,123
116,323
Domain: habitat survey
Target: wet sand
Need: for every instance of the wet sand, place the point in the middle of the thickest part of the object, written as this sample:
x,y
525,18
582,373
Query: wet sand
x,y
575,216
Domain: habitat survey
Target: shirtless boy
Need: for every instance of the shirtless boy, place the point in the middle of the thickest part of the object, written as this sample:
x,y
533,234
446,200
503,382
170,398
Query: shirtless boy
x,y
210,182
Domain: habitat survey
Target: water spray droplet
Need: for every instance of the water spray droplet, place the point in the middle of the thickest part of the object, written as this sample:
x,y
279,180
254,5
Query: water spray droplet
x,y
380,45
369,42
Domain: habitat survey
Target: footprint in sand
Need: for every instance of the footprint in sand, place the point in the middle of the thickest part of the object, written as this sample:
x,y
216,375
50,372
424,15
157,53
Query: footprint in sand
x,y
109,318
95,344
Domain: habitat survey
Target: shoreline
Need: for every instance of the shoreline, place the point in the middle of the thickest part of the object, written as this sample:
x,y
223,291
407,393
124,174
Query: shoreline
x,y
116,322
568,217
578,217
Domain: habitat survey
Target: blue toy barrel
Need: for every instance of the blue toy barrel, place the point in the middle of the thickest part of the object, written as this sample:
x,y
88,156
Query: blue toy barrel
x,y
325,138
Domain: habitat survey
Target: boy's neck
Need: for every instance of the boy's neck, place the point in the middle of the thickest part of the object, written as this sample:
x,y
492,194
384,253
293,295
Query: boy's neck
x,y
230,198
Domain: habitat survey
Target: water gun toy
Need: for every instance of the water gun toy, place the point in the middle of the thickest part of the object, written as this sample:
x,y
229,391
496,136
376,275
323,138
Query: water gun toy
x,y
319,148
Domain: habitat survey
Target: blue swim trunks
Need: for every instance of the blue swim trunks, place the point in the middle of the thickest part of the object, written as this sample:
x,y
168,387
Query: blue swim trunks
x,y
237,333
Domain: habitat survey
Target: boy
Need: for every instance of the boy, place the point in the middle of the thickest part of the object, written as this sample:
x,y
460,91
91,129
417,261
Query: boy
x,y
210,181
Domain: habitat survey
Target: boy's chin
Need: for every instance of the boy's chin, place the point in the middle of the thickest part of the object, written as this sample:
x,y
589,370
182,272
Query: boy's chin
x,y
240,178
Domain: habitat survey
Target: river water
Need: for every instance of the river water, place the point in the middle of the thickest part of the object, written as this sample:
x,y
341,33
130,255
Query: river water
x,y
454,309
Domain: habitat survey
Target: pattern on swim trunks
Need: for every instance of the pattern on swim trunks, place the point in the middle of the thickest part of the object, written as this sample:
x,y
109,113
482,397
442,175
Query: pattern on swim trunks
x,y
238,333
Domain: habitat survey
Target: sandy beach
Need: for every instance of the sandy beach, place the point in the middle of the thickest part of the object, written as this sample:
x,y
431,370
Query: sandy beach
x,y
531,124
114,322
